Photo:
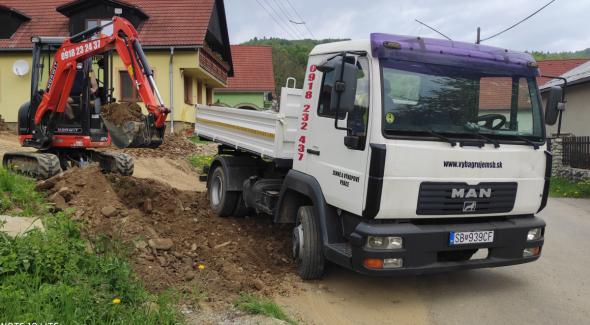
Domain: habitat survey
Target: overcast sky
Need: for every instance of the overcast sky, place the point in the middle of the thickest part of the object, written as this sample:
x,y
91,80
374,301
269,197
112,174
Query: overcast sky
x,y
563,26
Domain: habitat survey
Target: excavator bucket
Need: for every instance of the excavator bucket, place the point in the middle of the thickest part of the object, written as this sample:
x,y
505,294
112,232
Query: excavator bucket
x,y
129,128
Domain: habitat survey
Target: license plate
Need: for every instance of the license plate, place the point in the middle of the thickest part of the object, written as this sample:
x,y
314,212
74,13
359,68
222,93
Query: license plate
x,y
471,237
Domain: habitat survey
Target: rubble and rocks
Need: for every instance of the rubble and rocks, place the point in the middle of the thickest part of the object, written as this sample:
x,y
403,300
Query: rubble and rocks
x,y
173,246
175,146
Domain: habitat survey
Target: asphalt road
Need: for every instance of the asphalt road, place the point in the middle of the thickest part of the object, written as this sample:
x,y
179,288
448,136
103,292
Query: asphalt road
x,y
553,290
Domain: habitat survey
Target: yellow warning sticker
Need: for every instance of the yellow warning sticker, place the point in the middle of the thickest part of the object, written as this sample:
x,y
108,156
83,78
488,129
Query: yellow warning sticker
x,y
389,118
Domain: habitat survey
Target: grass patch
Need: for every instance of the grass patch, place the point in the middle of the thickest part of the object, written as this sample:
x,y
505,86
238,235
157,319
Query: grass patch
x,y
18,193
261,306
195,139
561,187
53,276
199,161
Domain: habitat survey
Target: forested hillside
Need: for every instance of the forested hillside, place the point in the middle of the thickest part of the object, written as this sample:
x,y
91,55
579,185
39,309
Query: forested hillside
x,y
289,57
582,54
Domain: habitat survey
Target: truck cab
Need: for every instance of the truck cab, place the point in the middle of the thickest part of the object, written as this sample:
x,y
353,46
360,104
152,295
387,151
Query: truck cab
x,y
409,155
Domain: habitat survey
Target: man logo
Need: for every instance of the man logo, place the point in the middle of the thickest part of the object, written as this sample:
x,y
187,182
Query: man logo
x,y
469,206
471,193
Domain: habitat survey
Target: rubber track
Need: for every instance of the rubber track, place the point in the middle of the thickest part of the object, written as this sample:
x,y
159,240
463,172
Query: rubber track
x,y
47,164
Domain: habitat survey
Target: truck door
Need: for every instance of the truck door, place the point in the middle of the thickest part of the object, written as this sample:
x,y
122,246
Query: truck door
x,y
340,169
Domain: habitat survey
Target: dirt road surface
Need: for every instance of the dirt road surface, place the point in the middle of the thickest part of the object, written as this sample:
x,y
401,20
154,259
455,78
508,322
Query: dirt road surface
x,y
553,290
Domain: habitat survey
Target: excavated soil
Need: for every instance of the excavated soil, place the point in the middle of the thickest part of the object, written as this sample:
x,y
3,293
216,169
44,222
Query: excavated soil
x,y
175,146
174,239
119,113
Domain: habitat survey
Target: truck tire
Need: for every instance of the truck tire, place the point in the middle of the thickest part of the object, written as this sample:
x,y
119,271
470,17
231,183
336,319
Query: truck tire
x,y
222,201
307,245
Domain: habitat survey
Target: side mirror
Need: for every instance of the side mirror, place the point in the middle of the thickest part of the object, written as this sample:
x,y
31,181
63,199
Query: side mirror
x,y
554,105
344,88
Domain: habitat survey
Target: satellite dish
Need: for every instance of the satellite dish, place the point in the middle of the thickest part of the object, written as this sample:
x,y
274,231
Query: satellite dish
x,y
20,68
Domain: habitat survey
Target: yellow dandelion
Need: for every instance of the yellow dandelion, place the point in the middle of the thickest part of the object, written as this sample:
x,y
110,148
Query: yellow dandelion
x,y
116,301
201,267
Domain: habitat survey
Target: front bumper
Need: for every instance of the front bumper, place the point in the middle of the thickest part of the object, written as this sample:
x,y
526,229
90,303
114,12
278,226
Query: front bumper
x,y
426,246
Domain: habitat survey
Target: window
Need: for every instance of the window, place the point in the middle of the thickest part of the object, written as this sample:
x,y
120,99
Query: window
x,y
420,98
188,90
91,23
128,91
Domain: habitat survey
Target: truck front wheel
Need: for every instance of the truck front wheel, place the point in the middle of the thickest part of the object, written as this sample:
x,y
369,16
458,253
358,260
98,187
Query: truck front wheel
x,y
307,245
222,201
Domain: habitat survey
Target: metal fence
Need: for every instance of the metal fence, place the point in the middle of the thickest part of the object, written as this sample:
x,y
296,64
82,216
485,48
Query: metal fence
x,y
576,152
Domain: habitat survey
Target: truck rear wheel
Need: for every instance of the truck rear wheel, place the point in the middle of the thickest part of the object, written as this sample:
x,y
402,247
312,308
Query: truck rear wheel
x,y
307,245
222,201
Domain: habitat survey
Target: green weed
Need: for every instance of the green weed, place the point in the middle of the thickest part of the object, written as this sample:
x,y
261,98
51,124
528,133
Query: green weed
x,y
200,161
561,187
261,306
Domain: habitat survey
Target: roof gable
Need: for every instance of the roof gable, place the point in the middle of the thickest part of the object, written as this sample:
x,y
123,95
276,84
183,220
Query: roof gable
x,y
179,23
253,69
556,68
11,21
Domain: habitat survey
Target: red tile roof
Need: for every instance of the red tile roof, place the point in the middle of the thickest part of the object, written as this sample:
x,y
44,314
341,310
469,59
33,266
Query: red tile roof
x,y
557,68
253,69
178,22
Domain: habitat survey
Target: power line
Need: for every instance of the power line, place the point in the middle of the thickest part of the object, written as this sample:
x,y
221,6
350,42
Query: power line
x,y
276,21
301,19
284,10
284,19
433,29
520,22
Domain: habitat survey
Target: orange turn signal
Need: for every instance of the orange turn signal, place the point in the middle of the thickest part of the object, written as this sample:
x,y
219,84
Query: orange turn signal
x,y
373,263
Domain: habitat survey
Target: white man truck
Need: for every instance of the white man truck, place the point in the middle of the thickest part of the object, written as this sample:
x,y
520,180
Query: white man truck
x,y
399,155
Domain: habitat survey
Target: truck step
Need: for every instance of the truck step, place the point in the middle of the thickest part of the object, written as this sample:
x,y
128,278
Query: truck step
x,y
342,248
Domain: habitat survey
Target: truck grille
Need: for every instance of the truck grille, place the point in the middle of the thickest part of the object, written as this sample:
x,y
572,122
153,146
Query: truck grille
x,y
461,198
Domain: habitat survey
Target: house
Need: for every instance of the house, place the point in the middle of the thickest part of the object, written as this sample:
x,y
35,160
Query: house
x,y
576,118
186,42
253,78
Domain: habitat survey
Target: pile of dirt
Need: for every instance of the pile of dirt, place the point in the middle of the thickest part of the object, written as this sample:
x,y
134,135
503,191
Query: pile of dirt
x,y
3,125
175,146
176,241
119,113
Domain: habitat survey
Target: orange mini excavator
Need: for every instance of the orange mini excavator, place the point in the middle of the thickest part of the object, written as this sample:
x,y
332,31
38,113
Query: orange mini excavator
x,y
63,121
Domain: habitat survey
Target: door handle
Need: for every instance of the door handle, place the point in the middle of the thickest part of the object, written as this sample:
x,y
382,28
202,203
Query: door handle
x,y
313,152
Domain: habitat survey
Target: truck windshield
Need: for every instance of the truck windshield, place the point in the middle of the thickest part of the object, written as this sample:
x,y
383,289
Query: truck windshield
x,y
420,99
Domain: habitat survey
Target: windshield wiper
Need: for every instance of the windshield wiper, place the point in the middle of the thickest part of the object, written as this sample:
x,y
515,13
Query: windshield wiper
x,y
527,141
452,142
490,140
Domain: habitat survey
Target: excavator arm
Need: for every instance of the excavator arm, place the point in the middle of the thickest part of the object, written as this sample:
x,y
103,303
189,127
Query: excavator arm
x,y
125,40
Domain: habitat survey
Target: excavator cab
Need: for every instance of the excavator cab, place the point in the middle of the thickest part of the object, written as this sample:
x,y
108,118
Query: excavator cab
x,y
91,90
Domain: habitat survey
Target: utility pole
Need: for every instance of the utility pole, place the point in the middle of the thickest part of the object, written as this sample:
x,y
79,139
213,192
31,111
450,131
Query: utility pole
x,y
478,36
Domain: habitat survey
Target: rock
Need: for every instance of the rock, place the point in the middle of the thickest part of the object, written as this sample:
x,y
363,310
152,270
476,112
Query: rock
x,y
66,193
149,257
147,205
193,247
163,244
188,276
108,211
141,244
222,245
258,284
48,183
58,201
18,226
163,261
177,255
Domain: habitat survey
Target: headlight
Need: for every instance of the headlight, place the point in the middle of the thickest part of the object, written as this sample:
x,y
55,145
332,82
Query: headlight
x,y
534,234
384,243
